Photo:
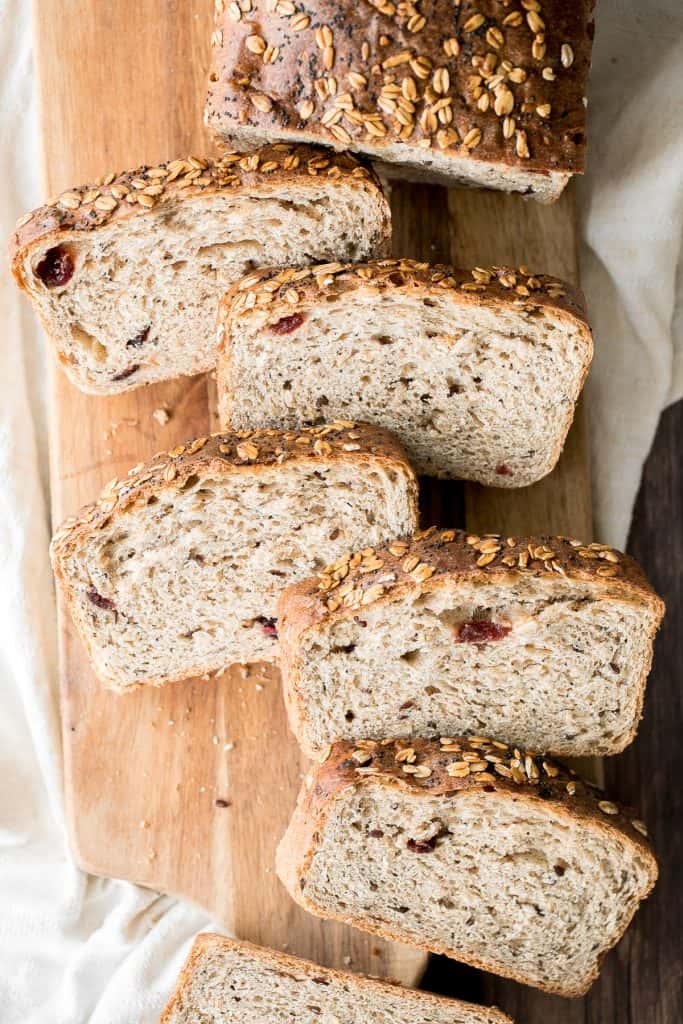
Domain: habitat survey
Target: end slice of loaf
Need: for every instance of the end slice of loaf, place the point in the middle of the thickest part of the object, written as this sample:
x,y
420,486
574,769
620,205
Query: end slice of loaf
x,y
126,274
176,570
466,847
477,372
486,95
541,641
225,981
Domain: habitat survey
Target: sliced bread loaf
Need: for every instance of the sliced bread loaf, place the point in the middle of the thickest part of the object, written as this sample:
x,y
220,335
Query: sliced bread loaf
x,y
126,274
486,94
224,981
176,570
467,847
477,372
541,641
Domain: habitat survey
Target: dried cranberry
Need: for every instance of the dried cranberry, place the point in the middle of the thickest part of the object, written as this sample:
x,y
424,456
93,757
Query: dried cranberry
x,y
56,268
139,339
481,631
396,278
127,373
100,601
287,324
268,626
503,470
421,845
376,833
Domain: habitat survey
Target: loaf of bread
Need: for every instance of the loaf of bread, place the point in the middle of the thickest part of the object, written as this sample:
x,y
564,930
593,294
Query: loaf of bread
x,y
126,274
543,642
466,93
176,570
467,847
228,982
477,372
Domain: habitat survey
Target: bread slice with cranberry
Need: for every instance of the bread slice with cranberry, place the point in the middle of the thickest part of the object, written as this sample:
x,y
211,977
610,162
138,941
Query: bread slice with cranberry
x,y
229,982
176,570
126,274
541,641
477,372
470,848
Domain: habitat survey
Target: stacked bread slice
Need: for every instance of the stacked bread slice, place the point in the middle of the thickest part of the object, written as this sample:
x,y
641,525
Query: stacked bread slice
x,y
468,847
126,273
176,570
543,642
477,371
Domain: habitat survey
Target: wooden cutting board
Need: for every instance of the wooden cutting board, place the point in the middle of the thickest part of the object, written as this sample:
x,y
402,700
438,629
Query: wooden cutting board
x,y
187,789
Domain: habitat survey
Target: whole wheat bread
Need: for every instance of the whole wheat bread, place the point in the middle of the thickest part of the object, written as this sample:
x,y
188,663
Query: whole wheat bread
x,y
126,274
487,854
488,95
224,981
541,641
176,571
477,372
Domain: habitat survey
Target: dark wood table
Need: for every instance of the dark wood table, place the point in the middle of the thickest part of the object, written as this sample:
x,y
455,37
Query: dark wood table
x,y
642,980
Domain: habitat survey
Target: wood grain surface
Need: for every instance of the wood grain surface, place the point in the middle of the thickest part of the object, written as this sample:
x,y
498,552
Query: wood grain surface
x,y
188,788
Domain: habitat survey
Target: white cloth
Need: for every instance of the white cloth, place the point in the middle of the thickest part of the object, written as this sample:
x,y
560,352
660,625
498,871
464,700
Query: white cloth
x,y
631,218
75,949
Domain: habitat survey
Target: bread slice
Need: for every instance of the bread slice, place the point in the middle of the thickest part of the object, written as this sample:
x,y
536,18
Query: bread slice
x,y
489,95
541,641
176,570
477,372
224,981
126,274
466,847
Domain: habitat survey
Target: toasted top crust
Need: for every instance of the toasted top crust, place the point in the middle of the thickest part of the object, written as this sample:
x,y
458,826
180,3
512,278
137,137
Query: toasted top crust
x,y
224,453
449,766
116,196
515,286
287,963
496,81
431,555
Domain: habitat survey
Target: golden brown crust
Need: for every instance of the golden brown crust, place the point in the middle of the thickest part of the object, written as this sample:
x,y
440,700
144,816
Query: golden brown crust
x,y
430,555
117,196
295,288
285,962
491,81
446,768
